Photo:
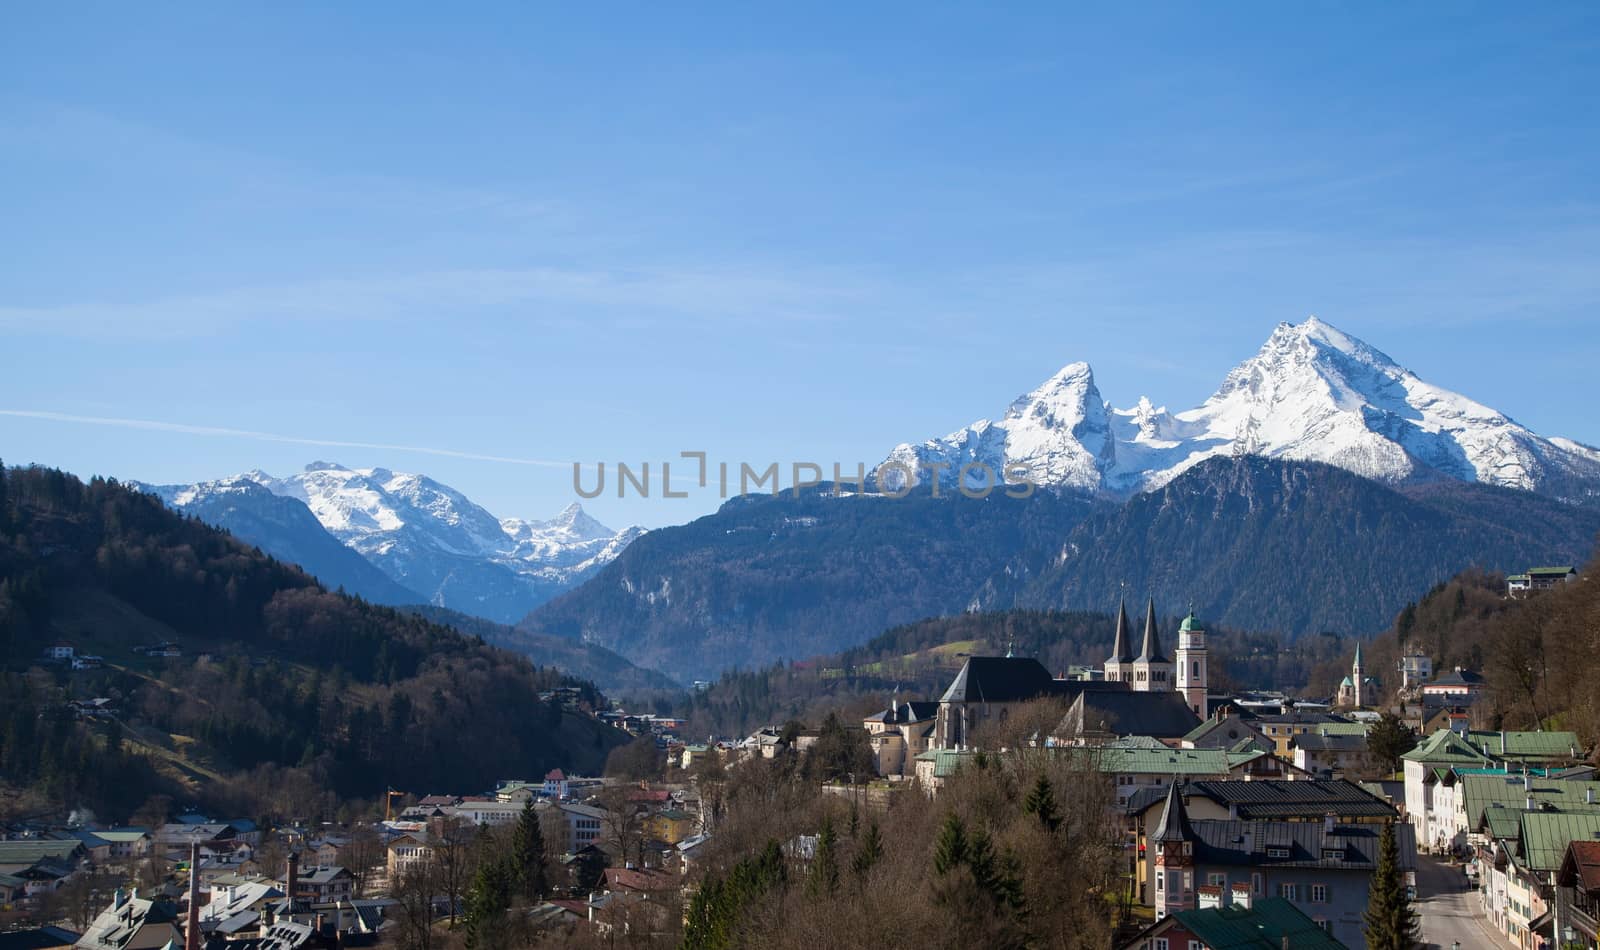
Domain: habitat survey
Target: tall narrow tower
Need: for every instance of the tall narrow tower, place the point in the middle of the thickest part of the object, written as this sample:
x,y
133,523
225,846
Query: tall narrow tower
x,y
1191,663
1357,675
1119,664
191,920
1152,671
1173,842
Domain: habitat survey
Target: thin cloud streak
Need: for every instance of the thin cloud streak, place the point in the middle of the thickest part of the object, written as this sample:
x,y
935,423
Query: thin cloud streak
x,y
217,431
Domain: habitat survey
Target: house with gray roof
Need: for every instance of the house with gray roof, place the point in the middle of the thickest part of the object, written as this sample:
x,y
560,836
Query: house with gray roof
x,y
1323,868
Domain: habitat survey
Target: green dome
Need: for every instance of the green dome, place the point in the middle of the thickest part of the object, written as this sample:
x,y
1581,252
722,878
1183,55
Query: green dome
x,y
1191,624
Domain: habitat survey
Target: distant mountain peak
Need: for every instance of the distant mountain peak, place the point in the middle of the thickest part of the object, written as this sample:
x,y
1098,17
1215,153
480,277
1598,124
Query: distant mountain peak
x,y
431,538
1311,393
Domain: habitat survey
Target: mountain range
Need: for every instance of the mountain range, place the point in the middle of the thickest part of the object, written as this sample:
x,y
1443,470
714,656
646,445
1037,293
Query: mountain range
x,y
401,538
1313,393
1321,487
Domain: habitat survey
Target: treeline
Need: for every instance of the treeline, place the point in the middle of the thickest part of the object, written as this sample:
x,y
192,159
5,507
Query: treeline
x,y
1539,655
917,660
299,697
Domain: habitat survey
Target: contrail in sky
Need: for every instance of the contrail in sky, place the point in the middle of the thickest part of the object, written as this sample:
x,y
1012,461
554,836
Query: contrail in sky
x,y
269,436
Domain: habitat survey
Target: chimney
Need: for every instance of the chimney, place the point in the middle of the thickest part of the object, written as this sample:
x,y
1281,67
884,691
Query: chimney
x,y
1530,802
1328,822
1502,742
1588,795
118,898
191,926
293,883
1241,894
1527,780
322,921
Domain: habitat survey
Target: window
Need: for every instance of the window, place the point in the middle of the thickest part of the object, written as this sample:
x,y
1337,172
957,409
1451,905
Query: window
x,y
1319,893
1161,943
1196,945
1215,879
1289,892
1277,852
1257,885
1325,924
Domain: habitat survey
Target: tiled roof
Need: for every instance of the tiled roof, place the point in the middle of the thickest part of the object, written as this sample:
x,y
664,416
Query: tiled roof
x,y
1553,745
1581,866
29,851
1545,836
1480,791
1251,843
1445,748
1269,924
633,879
1160,715
1197,762
1280,799
999,679
1314,742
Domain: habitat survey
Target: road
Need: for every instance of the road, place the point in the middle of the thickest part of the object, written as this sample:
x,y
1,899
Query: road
x,y
1449,910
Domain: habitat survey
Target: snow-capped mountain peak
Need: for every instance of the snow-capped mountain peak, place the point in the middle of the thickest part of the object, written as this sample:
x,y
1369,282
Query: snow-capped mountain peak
x,y
1312,392
433,539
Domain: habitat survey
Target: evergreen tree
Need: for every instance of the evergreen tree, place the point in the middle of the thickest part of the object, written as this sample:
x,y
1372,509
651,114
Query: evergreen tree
x,y
869,852
1391,923
1041,803
950,851
823,880
720,902
1389,739
487,902
528,854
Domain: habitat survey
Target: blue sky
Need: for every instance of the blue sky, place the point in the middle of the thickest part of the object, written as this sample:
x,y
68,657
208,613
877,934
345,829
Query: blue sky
x,y
547,234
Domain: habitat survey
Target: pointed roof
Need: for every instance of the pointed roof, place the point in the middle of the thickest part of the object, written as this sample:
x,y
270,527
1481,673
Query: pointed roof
x,y
1357,664
1151,653
1174,824
1121,652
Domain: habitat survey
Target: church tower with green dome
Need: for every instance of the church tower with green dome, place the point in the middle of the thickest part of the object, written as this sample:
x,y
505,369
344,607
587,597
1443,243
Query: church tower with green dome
x,y
1190,663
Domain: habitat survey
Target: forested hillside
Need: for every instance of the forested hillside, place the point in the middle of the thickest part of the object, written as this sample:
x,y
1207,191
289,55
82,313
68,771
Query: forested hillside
x,y
779,577
1301,547
586,661
1540,655
287,697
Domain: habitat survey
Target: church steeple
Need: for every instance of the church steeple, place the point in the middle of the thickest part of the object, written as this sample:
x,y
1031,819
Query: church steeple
x,y
1152,671
1120,651
1151,653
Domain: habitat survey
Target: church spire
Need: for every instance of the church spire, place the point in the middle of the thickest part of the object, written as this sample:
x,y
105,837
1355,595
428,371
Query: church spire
x,y
1152,640
1174,824
1120,651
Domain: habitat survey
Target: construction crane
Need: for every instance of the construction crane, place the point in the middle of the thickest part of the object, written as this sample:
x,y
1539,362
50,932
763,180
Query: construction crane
x,y
389,796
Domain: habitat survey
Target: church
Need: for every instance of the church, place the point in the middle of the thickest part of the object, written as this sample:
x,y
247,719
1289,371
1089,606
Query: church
x,y
1150,670
1358,689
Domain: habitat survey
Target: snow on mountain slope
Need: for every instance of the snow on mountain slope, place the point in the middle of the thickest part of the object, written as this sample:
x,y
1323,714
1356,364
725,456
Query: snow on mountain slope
x,y
432,539
1312,393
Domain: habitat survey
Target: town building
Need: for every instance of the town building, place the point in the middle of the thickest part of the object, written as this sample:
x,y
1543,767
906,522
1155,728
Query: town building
x,y
1539,578
1415,669
1323,868
1576,911
899,734
1459,687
